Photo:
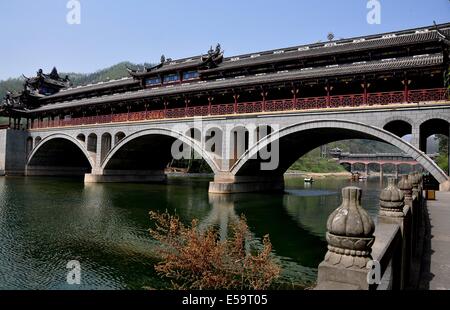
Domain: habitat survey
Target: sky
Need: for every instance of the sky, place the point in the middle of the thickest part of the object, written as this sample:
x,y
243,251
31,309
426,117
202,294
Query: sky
x,y
36,34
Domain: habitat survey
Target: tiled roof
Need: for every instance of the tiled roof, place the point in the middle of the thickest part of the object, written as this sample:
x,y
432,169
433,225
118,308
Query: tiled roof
x,y
386,65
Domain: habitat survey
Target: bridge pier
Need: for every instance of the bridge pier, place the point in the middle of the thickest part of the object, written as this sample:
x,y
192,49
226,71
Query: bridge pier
x,y
228,184
126,176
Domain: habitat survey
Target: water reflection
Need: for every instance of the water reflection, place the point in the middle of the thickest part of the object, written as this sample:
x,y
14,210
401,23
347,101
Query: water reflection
x,y
44,223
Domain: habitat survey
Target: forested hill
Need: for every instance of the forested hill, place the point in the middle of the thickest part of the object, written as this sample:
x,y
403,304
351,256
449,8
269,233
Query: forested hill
x,y
114,72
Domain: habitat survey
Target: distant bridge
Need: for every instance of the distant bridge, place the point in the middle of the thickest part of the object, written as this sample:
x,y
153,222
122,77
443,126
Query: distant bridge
x,y
381,159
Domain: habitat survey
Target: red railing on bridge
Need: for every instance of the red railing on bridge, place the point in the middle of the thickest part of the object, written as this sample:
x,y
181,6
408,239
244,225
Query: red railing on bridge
x,y
355,100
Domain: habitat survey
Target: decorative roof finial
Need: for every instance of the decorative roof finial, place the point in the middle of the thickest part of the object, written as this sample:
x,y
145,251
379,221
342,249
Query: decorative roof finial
x,y
218,48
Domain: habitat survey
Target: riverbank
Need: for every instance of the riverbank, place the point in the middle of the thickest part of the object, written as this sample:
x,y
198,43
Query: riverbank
x,y
318,174
293,173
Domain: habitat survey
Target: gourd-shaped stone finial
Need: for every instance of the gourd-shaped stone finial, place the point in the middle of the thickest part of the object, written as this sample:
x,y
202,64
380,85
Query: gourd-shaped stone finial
x,y
392,200
350,232
414,179
406,187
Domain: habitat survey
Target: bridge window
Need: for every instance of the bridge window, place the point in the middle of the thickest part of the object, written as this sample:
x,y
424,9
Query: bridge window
x,y
92,143
37,141
153,81
263,131
190,75
399,128
118,137
81,138
171,78
29,145
213,141
106,145
240,142
195,134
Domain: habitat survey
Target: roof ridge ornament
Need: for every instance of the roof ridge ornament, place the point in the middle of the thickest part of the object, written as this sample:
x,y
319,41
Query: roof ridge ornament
x,y
442,37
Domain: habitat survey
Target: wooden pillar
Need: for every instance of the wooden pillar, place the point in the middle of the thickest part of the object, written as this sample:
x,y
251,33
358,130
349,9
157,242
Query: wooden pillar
x,y
210,99
364,85
146,110
128,112
166,103
186,102
264,97
294,91
406,83
28,123
328,88
236,97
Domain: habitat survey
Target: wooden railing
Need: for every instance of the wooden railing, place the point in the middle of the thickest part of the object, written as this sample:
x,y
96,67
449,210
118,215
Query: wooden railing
x,y
353,100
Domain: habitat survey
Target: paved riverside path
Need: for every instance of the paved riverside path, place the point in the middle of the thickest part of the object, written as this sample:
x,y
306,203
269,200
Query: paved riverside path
x,y
435,273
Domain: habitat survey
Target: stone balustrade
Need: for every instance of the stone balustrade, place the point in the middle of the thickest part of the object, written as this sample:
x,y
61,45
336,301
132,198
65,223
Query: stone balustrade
x,y
365,256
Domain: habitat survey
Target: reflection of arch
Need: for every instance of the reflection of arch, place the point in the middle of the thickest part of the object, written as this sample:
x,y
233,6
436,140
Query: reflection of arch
x,y
399,128
81,137
59,151
118,137
298,139
151,147
92,143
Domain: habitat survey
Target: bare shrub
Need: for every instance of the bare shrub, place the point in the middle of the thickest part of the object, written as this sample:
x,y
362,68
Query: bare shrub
x,y
198,260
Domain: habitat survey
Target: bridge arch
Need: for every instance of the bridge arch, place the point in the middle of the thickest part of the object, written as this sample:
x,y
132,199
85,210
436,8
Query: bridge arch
x,y
296,140
59,154
151,145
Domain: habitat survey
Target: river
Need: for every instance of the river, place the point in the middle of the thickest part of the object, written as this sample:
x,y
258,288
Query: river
x,y
46,222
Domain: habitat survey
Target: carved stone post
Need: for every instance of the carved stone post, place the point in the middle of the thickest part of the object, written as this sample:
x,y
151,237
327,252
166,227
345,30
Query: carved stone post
x,y
406,187
393,211
350,239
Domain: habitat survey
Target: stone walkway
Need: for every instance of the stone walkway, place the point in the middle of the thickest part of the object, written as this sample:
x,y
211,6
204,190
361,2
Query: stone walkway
x,y
435,273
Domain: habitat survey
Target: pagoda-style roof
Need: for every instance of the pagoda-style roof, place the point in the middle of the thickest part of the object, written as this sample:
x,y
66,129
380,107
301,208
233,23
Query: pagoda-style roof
x,y
420,62
353,45
98,87
208,61
52,79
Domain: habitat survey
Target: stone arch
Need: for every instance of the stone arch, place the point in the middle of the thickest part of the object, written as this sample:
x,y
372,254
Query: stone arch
x,y
59,154
163,136
314,133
